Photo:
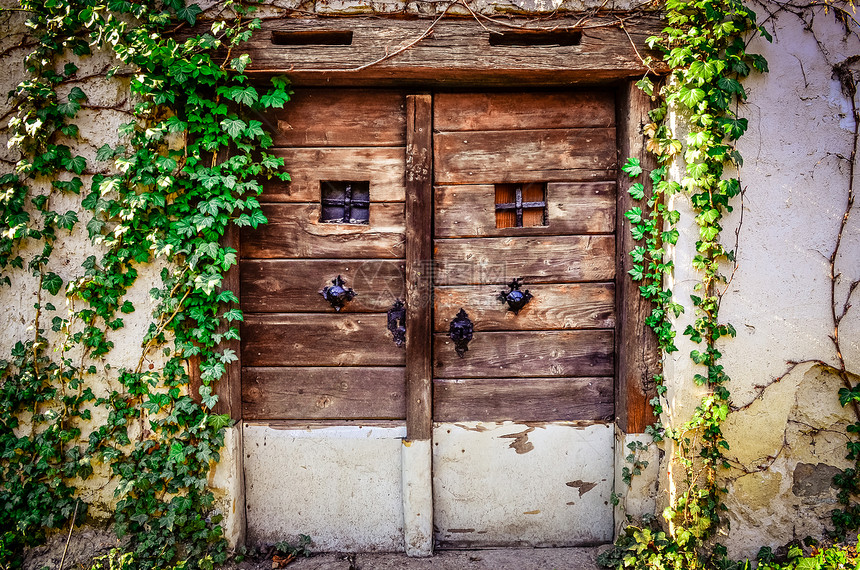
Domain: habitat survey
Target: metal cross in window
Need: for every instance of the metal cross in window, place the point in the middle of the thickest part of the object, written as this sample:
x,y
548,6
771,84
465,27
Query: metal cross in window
x,y
519,205
345,202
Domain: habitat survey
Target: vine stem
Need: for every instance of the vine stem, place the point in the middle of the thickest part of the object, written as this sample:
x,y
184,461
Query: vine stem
x,y
69,538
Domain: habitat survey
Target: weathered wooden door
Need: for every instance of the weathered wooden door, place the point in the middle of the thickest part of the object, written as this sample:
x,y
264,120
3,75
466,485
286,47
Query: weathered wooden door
x,y
523,197
524,200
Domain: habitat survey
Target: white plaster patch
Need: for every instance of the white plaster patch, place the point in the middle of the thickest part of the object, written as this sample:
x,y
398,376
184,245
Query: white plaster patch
x,y
341,486
517,484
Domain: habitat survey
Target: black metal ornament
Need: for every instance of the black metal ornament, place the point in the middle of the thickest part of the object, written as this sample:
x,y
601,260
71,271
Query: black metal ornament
x,y
515,298
336,294
397,322
460,331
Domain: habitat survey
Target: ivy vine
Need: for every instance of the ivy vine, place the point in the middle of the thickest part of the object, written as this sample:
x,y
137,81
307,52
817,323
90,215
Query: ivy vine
x,y
704,44
190,165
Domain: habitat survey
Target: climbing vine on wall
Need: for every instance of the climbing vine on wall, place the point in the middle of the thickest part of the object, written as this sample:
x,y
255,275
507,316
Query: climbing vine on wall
x,y
704,44
187,166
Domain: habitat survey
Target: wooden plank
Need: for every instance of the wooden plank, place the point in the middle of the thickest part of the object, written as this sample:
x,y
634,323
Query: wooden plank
x,y
554,259
382,167
572,208
525,354
549,155
294,393
340,117
638,355
511,111
419,246
523,399
302,339
456,50
553,307
294,231
293,286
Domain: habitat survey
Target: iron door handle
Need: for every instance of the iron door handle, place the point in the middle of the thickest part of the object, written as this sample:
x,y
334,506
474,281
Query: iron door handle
x,y
461,331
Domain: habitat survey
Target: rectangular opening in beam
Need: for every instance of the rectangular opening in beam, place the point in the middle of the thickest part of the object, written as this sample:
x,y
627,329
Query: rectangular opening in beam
x,y
312,38
536,38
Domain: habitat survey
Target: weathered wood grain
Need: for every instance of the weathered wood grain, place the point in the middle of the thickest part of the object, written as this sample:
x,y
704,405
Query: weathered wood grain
x,y
419,246
309,339
383,167
523,399
638,355
549,155
572,208
294,231
524,354
457,50
511,111
291,393
555,259
553,307
340,118
292,286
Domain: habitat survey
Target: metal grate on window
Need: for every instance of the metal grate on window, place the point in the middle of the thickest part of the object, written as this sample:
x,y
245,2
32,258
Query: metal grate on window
x,y
345,202
520,205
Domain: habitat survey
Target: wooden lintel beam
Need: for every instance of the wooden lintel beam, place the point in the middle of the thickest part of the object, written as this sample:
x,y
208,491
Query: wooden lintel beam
x,y
386,51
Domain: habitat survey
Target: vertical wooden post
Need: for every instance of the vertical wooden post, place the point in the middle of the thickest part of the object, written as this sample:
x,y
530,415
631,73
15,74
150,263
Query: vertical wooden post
x,y
419,236
229,389
637,355
417,454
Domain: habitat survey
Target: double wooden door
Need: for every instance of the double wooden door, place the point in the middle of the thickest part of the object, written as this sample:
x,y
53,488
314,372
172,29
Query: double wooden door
x,y
523,200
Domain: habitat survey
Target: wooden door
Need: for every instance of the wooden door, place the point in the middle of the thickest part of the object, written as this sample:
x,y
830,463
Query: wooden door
x,y
303,359
524,190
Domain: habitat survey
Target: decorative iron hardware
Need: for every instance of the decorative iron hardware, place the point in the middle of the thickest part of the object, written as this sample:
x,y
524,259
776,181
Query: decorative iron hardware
x,y
397,322
338,295
515,298
518,206
460,331
345,202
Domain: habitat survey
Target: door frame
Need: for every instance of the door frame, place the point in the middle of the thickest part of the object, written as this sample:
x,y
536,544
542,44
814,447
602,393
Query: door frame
x,y
637,356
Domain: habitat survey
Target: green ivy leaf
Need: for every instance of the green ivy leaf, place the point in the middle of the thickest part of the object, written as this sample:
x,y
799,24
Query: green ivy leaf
x,y
189,13
632,167
52,283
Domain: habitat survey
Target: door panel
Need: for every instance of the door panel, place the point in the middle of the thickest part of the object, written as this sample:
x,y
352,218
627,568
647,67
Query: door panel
x,y
512,410
302,359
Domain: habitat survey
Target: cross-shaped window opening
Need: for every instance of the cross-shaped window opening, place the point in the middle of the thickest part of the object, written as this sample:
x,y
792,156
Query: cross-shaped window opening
x,y
345,202
520,205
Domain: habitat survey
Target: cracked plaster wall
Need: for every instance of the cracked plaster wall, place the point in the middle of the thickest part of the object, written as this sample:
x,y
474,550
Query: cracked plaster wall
x,y
788,438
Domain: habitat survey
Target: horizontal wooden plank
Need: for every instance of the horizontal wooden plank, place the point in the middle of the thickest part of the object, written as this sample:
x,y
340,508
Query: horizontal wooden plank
x,y
510,111
292,393
457,49
340,118
293,286
383,167
555,259
310,425
523,399
552,307
572,208
294,231
550,155
303,339
524,354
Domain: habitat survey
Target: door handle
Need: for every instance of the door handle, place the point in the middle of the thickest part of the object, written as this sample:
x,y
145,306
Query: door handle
x,y
336,294
460,331
515,298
